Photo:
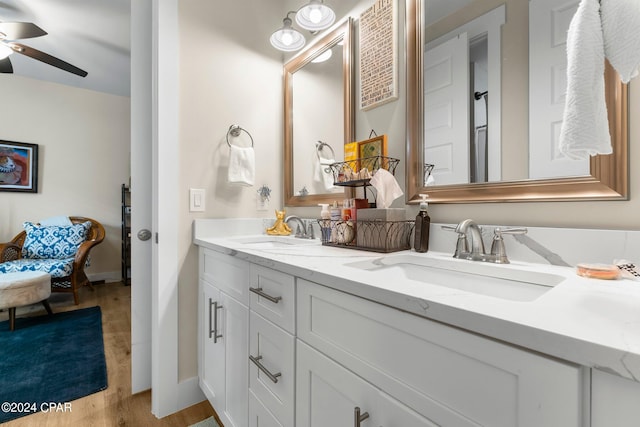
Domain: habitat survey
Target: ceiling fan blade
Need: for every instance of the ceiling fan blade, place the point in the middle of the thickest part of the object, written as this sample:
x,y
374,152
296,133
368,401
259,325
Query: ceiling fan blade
x,y
21,30
5,66
48,59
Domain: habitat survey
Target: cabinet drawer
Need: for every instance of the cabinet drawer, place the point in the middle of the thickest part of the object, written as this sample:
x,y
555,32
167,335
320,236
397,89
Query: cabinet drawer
x,y
328,395
271,367
227,273
259,415
441,372
272,294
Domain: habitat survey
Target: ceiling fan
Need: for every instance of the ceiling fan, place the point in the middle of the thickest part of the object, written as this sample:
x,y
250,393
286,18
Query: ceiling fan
x,y
10,31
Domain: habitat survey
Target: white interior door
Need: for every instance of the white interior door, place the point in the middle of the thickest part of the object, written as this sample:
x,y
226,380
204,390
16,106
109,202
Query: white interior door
x,y
548,25
446,110
141,195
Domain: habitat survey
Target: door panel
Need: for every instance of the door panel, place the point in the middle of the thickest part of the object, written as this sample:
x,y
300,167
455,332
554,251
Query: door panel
x,y
446,110
548,25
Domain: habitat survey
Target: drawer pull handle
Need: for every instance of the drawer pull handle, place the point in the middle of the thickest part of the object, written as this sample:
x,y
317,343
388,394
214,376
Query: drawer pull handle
x,y
213,332
256,361
359,418
259,291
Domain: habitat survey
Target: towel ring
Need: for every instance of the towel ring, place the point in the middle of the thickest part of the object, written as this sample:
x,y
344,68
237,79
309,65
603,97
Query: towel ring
x,y
320,145
234,130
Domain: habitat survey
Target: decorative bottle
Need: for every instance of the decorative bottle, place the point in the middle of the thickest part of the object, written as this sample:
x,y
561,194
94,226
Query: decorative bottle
x,y
423,223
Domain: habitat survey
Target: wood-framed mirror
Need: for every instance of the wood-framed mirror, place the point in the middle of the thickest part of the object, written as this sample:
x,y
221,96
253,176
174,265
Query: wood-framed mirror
x,y
318,116
606,176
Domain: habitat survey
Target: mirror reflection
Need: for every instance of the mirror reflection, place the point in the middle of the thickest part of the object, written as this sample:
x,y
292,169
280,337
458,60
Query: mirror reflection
x,y
486,83
318,125
318,116
465,53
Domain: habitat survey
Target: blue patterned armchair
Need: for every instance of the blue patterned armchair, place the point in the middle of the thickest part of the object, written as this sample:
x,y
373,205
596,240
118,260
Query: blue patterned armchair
x,y
61,251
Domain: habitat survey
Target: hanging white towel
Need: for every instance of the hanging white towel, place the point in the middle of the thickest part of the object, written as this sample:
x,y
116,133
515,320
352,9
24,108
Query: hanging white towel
x,y
241,166
323,173
585,126
620,29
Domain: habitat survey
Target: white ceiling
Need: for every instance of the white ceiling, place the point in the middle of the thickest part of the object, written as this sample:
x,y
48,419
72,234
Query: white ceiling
x,y
91,34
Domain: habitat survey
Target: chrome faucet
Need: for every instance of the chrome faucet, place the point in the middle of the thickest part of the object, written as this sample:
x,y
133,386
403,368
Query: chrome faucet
x,y
477,244
303,231
498,253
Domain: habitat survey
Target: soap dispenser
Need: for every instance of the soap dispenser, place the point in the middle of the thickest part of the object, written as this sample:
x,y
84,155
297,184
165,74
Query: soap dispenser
x,y
423,223
325,222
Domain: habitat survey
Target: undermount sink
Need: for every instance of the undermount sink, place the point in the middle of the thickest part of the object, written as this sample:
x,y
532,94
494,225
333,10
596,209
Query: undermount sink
x,y
501,281
268,242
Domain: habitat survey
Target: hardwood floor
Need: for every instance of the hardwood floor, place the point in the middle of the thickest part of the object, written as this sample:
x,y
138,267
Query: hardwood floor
x,y
114,406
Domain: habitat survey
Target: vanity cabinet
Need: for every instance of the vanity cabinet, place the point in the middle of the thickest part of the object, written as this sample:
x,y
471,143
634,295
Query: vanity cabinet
x,y
280,351
446,375
614,400
271,347
223,332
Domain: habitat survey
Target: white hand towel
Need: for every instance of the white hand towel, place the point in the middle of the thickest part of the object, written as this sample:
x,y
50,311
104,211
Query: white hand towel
x,y
621,33
323,173
387,188
585,126
241,166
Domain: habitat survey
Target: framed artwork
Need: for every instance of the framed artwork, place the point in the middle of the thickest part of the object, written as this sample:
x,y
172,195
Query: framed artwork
x,y
376,146
18,167
378,54
372,153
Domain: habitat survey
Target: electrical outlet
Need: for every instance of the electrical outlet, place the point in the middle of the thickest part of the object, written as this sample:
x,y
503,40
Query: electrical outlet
x,y
196,200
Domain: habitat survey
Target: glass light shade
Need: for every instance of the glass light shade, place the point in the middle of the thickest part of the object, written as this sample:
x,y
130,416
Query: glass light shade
x,y
324,56
287,38
5,51
315,16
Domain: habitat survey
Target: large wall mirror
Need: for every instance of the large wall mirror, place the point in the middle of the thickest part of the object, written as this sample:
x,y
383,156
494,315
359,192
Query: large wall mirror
x,y
485,98
318,116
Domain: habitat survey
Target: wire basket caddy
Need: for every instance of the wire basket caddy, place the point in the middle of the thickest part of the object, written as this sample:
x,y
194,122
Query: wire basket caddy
x,y
369,235
357,172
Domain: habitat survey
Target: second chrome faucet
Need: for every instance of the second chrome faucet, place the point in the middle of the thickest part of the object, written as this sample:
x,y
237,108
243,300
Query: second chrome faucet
x,y
304,230
469,227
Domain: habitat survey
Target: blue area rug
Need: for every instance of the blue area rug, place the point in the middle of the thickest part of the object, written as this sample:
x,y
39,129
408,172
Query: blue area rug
x,y
50,360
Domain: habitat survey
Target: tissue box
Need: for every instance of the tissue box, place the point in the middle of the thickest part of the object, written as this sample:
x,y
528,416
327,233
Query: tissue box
x,y
379,214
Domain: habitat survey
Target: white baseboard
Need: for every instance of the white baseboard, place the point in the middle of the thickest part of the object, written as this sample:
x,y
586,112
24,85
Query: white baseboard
x,y
189,393
107,276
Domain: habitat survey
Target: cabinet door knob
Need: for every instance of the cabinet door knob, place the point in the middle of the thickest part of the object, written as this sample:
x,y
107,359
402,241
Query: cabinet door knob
x,y
260,292
213,318
256,361
357,418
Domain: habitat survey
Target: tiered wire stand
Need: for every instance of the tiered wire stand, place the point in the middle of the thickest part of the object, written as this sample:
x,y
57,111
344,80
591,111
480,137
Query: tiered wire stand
x,y
368,235
357,173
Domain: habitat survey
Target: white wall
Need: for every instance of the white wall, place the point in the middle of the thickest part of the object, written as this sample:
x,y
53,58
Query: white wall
x,y
83,139
229,74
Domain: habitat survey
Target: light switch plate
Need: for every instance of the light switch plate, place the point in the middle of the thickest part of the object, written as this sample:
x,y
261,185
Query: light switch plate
x,y
196,200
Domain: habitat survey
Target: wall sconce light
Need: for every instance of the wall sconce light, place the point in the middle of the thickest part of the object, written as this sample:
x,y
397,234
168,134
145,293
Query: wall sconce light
x,y
287,38
314,16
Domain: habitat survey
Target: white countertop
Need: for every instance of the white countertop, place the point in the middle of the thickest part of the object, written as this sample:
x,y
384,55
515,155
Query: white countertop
x,y
595,323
